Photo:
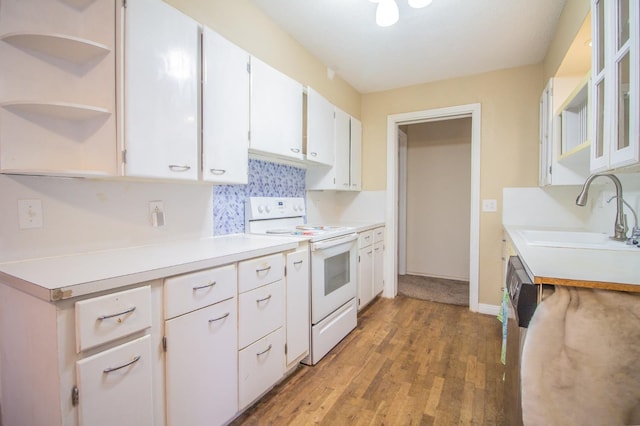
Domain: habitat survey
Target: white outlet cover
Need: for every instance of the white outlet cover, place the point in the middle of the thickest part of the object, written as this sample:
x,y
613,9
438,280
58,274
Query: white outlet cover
x,y
489,205
30,214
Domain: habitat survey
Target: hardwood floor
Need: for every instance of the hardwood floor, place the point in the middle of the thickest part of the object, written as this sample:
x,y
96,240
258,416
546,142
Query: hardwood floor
x,y
409,362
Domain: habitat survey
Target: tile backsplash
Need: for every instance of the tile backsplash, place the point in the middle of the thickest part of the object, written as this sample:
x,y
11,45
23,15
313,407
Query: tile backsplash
x,y
265,180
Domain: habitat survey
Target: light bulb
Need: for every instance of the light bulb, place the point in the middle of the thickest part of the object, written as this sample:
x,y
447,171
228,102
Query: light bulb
x,y
417,4
387,13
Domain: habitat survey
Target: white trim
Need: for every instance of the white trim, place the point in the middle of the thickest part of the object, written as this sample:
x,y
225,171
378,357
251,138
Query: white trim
x,y
483,308
391,213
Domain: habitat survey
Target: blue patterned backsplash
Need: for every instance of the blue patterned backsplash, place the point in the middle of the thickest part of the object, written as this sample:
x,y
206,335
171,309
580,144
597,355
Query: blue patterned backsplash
x,y
265,180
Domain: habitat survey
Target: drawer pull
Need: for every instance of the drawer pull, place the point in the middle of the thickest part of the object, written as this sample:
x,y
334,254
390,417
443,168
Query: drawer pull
x,y
128,311
211,284
298,262
296,150
263,269
219,318
179,167
217,171
110,369
265,351
263,300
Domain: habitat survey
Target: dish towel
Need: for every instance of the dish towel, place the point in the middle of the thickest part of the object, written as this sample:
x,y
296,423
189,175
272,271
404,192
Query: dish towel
x,y
581,359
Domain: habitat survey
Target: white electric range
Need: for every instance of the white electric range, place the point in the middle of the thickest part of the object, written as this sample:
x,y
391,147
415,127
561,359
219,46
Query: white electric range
x,y
333,251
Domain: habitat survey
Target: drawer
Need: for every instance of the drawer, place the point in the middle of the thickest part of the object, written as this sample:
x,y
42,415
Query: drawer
x,y
103,319
116,385
260,271
260,366
378,235
188,292
365,239
260,311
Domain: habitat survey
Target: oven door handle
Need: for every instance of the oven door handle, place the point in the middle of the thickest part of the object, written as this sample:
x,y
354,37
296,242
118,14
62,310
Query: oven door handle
x,y
332,242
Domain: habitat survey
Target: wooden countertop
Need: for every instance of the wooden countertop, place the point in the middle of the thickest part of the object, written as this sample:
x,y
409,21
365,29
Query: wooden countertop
x,y
591,268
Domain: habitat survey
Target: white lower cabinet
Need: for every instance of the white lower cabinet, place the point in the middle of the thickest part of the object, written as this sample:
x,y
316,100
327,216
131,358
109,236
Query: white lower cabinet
x,y
116,385
370,265
260,367
201,366
297,306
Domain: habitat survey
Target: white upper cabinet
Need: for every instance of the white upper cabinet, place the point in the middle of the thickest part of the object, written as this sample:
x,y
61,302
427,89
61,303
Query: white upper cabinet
x,y
276,113
355,160
346,170
225,110
615,84
320,129
161,87
57,90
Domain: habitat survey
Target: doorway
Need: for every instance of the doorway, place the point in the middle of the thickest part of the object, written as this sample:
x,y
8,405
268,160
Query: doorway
x,y
471,111
434,184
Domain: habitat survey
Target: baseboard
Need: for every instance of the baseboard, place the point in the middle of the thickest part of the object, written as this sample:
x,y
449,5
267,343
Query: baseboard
x,y
488,309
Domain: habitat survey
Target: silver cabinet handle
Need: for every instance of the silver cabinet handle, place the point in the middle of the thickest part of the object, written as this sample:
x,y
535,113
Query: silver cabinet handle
x,y
110,369
265,351
179,167
128,311
296,150
211,284
218,171
298,262
262,300
219,318
263,269
314,154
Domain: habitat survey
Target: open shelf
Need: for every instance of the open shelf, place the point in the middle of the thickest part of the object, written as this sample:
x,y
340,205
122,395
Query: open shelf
x,y
72,49
59,110
578,157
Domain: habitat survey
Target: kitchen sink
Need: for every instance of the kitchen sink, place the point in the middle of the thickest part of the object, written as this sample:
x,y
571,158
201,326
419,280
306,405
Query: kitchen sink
x,y
574,239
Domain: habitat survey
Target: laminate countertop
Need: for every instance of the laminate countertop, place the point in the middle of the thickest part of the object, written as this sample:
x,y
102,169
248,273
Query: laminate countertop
x,y
63,277
577,267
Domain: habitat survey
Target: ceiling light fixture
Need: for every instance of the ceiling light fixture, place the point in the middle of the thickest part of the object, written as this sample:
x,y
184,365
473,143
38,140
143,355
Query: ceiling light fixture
x,y
387,13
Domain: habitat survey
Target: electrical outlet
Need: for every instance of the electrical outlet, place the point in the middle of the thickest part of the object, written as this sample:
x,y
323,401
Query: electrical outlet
x,y
156,212
489,205
30,214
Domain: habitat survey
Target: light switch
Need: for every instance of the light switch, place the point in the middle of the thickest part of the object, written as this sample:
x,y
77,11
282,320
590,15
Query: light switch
x,y
489,205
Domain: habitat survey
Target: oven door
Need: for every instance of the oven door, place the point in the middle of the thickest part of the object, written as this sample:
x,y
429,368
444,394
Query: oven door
x,y
333,274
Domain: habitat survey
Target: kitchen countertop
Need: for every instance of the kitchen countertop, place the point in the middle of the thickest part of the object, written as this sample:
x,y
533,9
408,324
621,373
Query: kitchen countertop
x,y
64,277
578,267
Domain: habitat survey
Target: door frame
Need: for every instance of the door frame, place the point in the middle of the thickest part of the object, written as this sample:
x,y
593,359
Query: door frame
x,y
391,213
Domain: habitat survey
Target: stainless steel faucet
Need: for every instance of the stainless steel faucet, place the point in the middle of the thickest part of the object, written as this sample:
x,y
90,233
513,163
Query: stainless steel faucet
x,y
620,227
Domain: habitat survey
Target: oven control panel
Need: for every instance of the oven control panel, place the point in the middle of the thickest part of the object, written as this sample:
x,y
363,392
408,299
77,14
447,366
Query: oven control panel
x,y
274,207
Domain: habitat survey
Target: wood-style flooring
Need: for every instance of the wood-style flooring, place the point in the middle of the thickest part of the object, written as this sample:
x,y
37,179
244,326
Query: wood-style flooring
x,y
409,362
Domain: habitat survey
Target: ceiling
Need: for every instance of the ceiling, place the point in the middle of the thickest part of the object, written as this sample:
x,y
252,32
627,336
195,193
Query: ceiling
x,y
449,38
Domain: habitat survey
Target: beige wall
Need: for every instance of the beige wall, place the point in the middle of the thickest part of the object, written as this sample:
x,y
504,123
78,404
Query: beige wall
x,y
571,19
438,195
246,26
509,143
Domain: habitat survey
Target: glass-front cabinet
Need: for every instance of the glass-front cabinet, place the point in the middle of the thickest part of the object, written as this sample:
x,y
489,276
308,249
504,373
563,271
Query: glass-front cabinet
x,y
615,84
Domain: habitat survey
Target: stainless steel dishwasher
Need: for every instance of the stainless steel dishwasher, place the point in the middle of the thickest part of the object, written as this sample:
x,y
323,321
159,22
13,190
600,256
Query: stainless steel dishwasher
x,y
523,297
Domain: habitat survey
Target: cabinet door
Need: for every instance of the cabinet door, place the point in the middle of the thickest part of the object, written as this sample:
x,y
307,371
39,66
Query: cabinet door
x,y
320,133
342,160
201,366
116,386
297,305
276,112
225,110
546,135
355,175
161,60
365,276
378,262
